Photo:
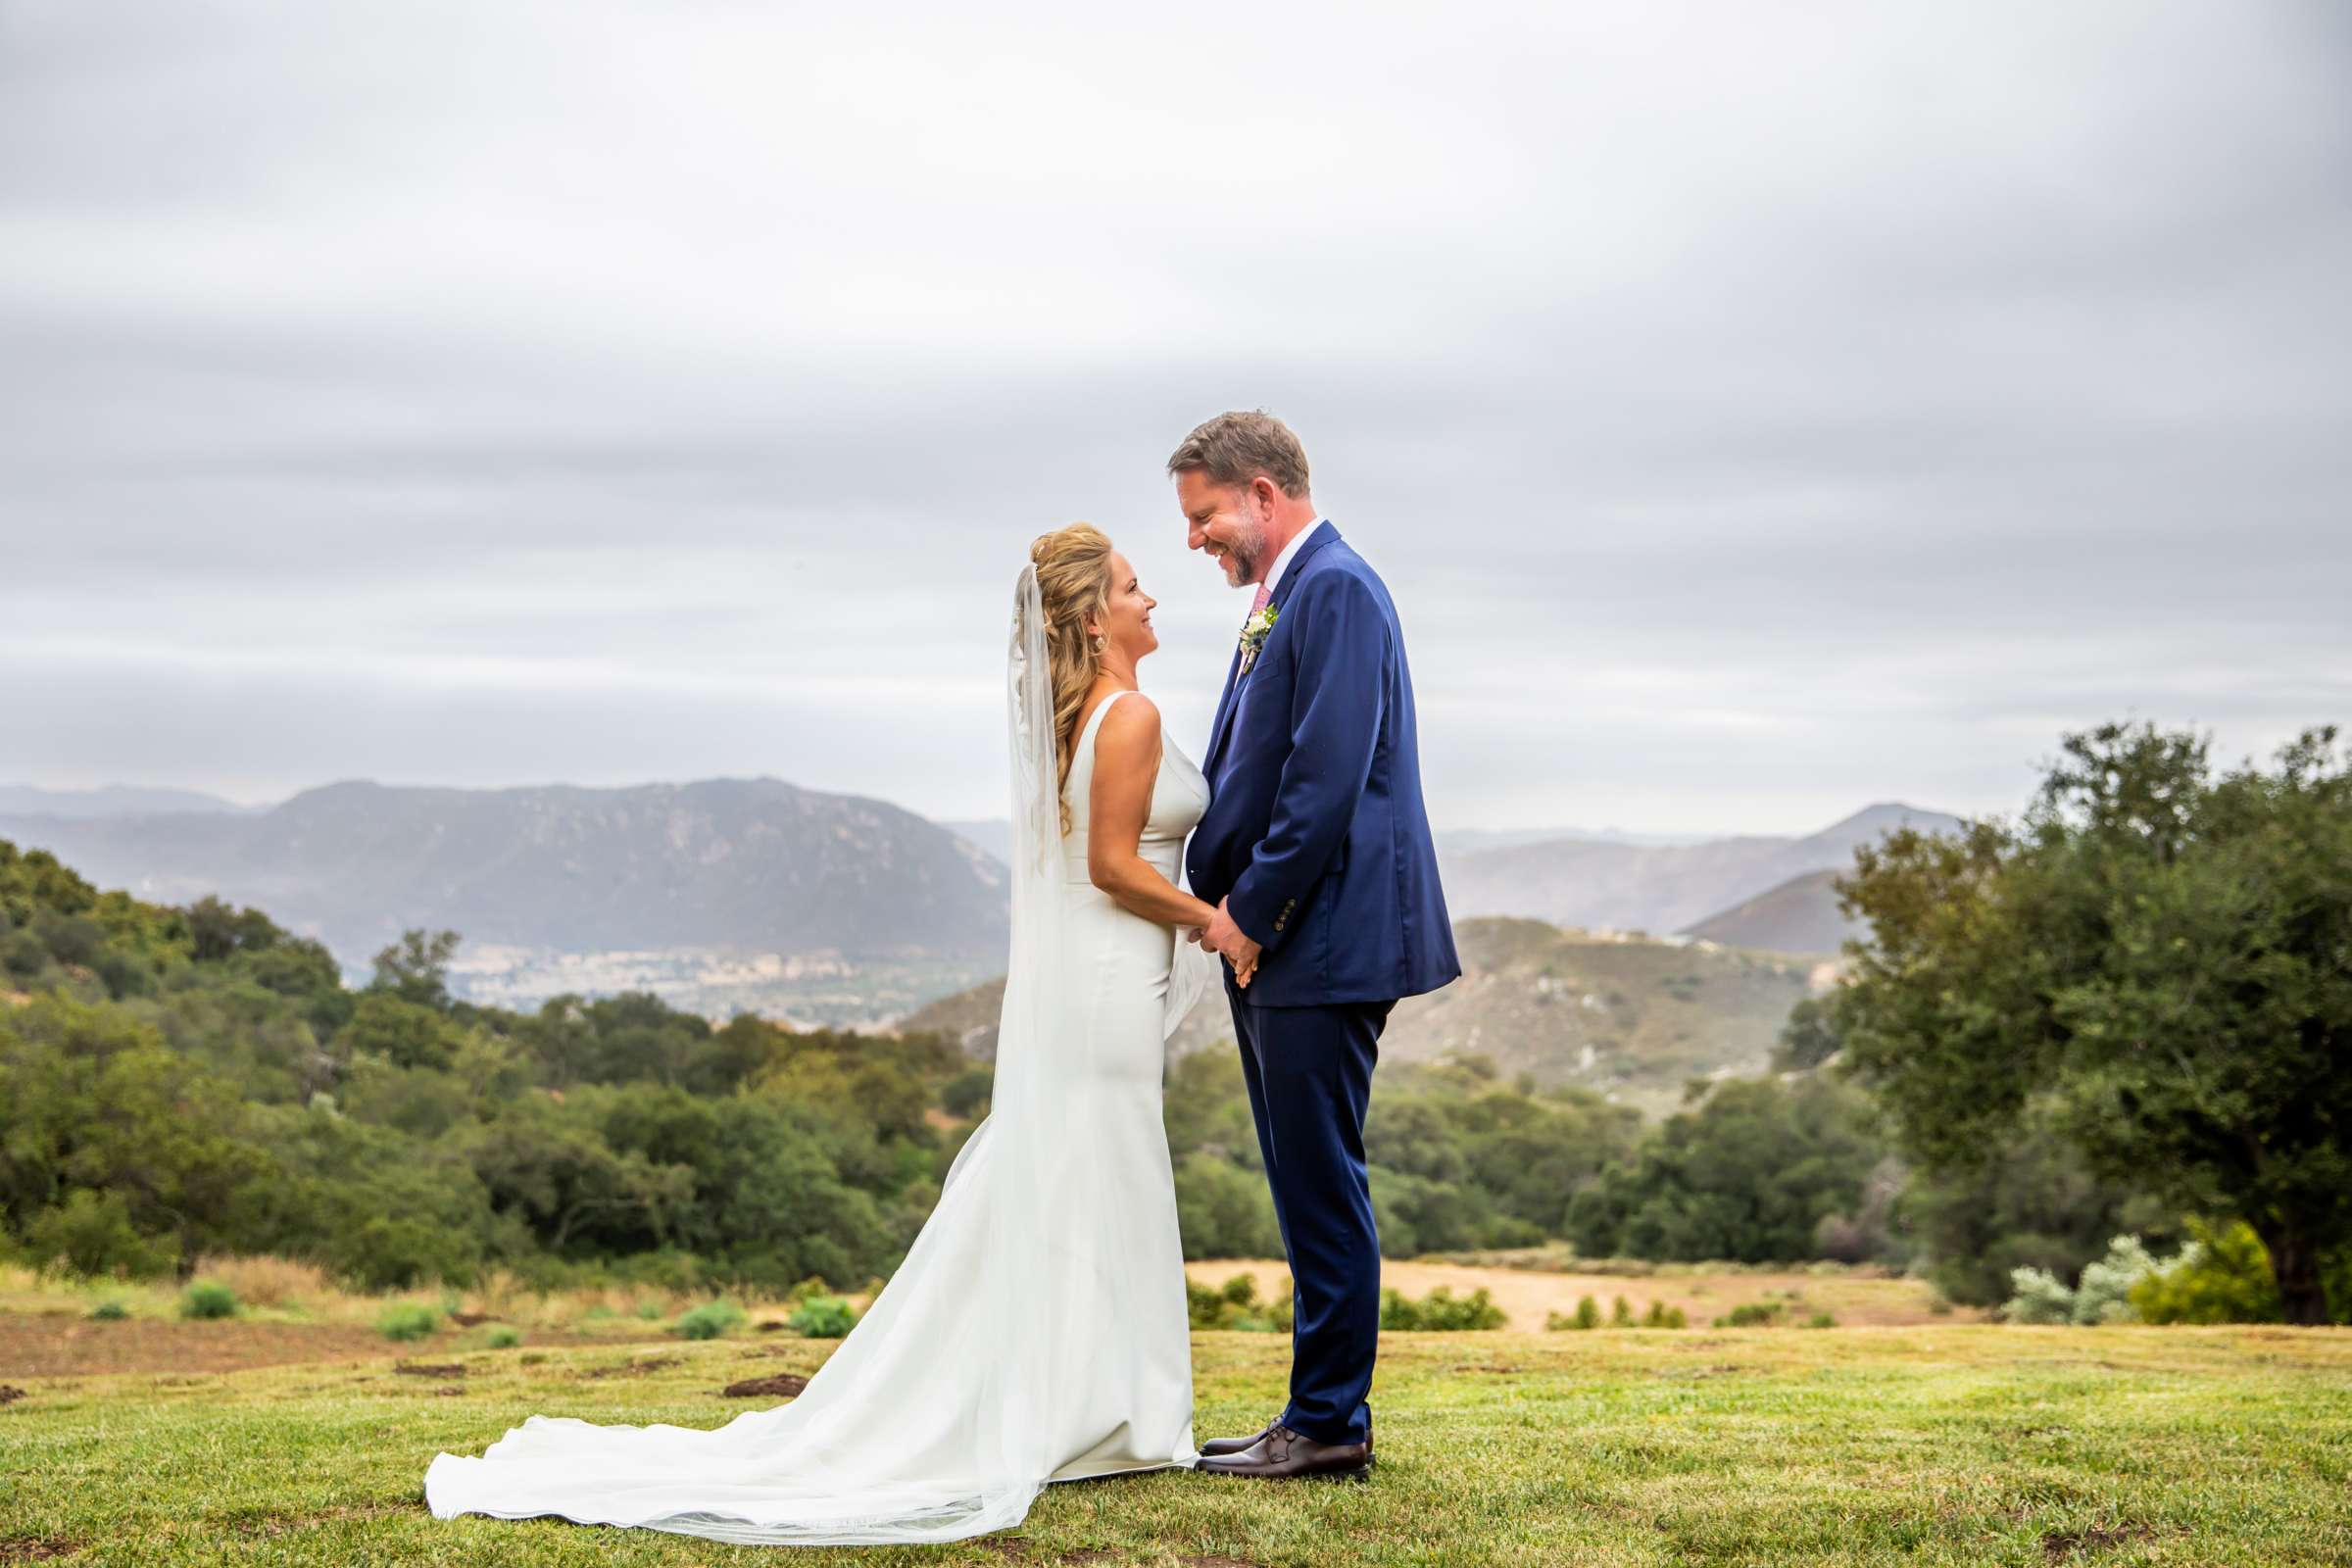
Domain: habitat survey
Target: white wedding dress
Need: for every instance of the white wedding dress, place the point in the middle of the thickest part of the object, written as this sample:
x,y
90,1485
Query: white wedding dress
x,y
1036,1329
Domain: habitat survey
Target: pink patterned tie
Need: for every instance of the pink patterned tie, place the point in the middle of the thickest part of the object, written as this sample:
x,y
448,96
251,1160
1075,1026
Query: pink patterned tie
x,y
1264,593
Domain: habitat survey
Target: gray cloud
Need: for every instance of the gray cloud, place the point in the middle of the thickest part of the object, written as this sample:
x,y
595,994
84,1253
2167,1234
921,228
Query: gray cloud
x,y
1754,414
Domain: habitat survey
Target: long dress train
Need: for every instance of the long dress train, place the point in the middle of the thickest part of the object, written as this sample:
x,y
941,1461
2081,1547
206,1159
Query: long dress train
x,y
1036,1329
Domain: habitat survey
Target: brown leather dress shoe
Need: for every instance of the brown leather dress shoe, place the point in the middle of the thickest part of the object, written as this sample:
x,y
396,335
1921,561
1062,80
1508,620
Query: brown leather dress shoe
x,y
1281,1452
1220,1446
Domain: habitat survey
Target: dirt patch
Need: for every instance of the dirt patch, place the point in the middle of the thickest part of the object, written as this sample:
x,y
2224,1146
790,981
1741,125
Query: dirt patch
x,y
49,1345
10,1393
634,1369
772,1326
2059,1544
430,1369
35,1549
1219,1562
784,1385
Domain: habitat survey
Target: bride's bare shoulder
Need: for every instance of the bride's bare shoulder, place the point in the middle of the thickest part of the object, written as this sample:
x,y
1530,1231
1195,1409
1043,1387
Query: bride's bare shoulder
x,y
1131,727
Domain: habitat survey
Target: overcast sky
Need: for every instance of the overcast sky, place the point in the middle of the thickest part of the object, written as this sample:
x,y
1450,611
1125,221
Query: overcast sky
x,y
1755,411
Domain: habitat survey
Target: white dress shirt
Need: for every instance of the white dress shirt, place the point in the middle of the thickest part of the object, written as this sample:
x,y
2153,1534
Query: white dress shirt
x,y
1282,557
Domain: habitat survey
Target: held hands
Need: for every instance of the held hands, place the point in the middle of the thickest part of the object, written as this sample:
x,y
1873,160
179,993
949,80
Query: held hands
x,y
1225,937
1242,971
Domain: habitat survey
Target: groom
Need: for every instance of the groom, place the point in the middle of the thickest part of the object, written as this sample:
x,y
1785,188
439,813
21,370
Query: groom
x,y
1316,852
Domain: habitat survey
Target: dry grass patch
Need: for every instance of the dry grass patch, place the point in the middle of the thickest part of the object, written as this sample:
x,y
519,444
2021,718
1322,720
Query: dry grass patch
x,y
1528,1296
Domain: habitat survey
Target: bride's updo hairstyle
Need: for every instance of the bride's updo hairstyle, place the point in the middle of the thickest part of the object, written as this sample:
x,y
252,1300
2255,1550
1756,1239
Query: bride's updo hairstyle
x,y
1073,584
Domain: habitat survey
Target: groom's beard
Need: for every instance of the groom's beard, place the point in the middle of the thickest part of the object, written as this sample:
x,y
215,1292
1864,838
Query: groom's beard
x,y
1245,554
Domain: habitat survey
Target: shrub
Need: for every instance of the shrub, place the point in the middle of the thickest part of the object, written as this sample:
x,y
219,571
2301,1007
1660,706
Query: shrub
x,y
408,1320
1821,1320
2221,1276
1662,1316
2104,1292
2037,1295
208,1298
714,1318
2102,1296
648,1310
1236,1306
505,1337
1440,1312
110,1312
1621,1314
822,1317
1752,1315
1203,1306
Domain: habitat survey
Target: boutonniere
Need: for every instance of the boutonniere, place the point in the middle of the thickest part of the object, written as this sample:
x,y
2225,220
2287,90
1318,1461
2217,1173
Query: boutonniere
x,y
1253,635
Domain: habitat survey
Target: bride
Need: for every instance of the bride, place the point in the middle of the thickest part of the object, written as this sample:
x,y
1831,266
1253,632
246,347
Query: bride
x,y
1037,1328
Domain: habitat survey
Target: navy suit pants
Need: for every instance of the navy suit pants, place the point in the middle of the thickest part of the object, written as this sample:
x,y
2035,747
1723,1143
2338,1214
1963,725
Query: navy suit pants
x,y
1309,1072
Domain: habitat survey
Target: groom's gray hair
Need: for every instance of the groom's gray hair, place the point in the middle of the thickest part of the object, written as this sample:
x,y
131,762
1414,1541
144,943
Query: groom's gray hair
x,y
1236,448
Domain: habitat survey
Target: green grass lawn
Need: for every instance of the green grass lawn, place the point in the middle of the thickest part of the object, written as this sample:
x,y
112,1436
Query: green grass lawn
x,y
1961,1444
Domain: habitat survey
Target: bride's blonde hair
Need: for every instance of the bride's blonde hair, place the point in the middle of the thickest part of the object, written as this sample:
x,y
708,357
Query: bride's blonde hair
x,y
1073,585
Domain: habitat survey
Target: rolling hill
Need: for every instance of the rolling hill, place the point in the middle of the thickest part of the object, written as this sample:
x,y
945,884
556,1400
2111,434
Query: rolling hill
x,y
1630,1018
1800,915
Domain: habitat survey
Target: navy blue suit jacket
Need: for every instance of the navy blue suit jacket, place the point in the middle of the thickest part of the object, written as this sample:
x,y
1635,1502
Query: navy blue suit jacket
x,y
1315,828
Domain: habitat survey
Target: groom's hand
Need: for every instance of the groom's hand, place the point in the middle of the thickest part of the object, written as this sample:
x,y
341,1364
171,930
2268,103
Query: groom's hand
x,y
1233,941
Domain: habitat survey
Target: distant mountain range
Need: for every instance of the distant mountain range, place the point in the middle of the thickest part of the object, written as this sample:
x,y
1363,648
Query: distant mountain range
x,y
740,865
112,799
1631,1019
727,894
994,835
1678,888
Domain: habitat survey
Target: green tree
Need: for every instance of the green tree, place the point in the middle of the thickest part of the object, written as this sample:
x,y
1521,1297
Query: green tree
x,y
415,968
392,1028
1807,1039
2162,953
2031,1201
1748,1175
1223,1210
95,1101
547,1163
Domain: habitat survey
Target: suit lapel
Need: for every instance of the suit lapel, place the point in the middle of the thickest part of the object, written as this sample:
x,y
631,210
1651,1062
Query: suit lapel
x,y
1321,534
1216,728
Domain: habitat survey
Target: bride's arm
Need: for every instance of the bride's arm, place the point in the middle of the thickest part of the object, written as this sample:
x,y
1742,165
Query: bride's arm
x,y
1126,764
